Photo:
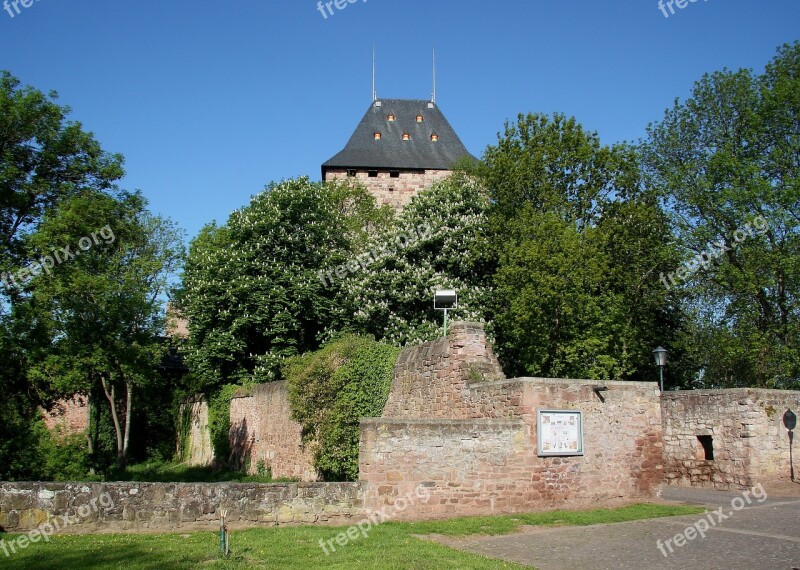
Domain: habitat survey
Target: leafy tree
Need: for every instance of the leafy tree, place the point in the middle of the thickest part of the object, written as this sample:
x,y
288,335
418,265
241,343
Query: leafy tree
x,y
726,164
331,390
435,243
102,308
44,158
577,242
251,290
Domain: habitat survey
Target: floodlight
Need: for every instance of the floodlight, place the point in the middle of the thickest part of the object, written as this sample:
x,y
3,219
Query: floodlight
x,y
445,300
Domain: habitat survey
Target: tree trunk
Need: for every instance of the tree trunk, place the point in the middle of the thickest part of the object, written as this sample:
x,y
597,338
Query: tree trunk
x,y
114,416
128,403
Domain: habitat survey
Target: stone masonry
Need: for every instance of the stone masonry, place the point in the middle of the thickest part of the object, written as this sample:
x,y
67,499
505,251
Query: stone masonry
x,y
396,192
175,506
263,432
198,450
743,431
454,426
68,417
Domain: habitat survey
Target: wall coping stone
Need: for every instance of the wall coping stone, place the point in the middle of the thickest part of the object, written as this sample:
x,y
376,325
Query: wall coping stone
x,y
437,422
566,381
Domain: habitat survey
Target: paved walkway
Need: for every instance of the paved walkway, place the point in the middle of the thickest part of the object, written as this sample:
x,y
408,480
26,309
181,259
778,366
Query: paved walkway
x,y
761,536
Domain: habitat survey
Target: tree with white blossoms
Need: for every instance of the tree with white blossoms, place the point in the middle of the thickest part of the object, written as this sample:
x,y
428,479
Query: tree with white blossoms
x,y
251,291
435,243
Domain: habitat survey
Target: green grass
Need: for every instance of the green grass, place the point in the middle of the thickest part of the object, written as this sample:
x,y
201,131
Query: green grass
x,y
159,472
389,546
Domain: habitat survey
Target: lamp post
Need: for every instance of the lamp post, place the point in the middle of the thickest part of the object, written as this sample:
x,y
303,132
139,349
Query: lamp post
x,y
445,300
660,354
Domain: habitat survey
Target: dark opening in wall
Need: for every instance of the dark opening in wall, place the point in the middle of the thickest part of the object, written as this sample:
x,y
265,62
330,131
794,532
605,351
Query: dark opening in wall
x,y
394,173
373,173
708,446
351,173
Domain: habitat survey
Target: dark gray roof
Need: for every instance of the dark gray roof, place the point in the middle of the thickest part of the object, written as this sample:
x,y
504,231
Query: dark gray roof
x,y
391,151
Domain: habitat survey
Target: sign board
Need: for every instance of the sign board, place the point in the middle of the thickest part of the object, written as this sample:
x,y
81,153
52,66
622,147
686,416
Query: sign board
x,y
560,432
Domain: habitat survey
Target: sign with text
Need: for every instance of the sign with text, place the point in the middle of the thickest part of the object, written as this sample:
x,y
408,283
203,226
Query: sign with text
x,y
560,432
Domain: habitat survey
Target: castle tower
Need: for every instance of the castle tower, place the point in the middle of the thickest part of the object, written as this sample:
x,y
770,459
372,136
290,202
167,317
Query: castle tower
x,y
400,147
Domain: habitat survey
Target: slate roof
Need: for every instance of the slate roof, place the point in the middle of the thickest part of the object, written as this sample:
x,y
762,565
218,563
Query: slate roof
x,y
391,151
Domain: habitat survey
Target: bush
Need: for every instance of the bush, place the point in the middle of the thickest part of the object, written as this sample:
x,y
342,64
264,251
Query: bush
x,y
66,458
331,390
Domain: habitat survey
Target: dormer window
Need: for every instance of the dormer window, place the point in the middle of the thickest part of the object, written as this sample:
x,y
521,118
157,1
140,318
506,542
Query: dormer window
x,y
377,136
391,118
420,118
406,137
435,137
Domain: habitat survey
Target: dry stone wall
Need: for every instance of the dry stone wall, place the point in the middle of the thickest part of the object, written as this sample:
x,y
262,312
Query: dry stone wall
x,y
123,507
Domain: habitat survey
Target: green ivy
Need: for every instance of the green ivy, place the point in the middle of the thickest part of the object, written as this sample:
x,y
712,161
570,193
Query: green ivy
x,y
219,421
330,390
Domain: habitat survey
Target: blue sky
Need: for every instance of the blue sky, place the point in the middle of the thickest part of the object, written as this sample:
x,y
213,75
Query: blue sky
x,y
210,101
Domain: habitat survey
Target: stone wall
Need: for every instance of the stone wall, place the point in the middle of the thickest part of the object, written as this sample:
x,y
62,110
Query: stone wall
x,y
194,438
118,507
68,417
397,192
262,430
744,429
469,439
433,380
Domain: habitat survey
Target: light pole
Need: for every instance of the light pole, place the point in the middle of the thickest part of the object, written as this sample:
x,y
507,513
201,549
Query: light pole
x,y
445,300
660,354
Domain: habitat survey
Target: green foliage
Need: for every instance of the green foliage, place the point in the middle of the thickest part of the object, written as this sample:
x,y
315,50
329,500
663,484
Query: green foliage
x,y
66,458
726,157
331,390
45,159
436,243
157,471
101,310
251,290
219,421
577,242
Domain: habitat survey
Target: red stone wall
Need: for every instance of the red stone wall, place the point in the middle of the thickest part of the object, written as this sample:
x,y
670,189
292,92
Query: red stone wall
x,y
456,429
262,430
397,192
750,442
68,417
433,380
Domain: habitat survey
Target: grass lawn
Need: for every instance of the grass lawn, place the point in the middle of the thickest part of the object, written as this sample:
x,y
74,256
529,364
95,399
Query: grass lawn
x,y
158,472
388,546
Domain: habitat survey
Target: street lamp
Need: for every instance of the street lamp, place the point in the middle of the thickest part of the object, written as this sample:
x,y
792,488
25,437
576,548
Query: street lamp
x,y
660,355
445,300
